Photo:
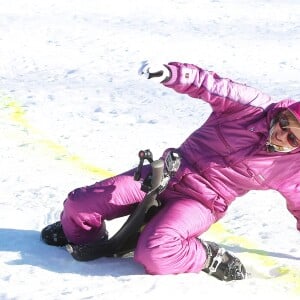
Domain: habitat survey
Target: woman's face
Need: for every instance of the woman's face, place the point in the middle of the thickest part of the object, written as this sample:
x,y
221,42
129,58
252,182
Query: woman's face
x,y
286,131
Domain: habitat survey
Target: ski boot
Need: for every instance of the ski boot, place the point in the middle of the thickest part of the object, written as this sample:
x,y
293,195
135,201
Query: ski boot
x,y
54,235
90,251
222,264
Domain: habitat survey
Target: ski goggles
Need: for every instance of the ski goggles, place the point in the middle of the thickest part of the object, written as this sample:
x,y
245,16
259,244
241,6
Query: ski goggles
x,y
284,124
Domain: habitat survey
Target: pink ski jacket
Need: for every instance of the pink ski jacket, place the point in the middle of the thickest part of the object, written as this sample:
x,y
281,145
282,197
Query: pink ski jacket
x,y
227,157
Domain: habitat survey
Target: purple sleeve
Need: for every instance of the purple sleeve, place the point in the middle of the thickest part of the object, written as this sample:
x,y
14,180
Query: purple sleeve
x,y
221,93
291,192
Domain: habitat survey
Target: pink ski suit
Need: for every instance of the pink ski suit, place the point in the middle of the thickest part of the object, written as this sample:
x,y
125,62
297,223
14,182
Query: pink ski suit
x,y
223,159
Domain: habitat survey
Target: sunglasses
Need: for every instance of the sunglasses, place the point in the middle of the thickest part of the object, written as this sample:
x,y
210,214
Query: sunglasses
x,y
284,124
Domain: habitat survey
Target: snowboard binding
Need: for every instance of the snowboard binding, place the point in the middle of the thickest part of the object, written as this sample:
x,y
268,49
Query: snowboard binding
x,y
125,240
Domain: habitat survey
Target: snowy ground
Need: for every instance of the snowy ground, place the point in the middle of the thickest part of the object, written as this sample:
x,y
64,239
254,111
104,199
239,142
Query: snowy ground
x,y
73,111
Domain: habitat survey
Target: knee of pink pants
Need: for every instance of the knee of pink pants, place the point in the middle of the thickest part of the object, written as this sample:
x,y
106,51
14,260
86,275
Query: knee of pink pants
x,y
169,244
87,207
169,253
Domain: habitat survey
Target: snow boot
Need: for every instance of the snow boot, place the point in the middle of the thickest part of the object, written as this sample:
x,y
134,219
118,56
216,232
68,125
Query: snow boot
x,y
222,264
54,235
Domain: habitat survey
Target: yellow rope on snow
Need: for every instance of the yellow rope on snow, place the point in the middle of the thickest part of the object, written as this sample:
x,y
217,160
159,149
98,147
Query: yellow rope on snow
x,y
18,116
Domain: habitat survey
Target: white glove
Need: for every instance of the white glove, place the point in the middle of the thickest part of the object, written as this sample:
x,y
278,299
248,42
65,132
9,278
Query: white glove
x,y
158,73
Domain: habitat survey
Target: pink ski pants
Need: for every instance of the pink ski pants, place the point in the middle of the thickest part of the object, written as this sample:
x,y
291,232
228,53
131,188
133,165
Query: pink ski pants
x,y
167,245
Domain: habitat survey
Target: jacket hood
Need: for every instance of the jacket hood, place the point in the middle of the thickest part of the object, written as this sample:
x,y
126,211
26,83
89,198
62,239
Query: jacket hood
x,y
295,110
275,108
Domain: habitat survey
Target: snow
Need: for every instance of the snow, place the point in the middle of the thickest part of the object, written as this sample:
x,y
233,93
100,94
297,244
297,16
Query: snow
x,y
73,111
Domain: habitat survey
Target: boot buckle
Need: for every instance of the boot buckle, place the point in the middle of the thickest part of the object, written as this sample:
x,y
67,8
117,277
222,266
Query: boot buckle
x,y
216,261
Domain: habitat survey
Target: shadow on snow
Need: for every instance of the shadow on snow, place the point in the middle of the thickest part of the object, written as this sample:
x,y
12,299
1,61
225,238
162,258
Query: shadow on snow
x,y
32,251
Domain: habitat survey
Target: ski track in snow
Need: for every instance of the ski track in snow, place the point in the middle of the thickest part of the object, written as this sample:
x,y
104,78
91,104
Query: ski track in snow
x,y
73,110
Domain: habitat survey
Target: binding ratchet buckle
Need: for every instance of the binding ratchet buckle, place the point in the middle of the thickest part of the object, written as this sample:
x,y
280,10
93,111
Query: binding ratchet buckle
x,y
171,164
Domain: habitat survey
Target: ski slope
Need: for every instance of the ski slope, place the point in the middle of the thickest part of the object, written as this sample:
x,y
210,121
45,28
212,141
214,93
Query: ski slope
x,y
73,111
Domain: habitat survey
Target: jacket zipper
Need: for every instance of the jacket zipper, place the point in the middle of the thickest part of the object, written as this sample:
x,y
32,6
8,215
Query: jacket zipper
x,y
222,138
